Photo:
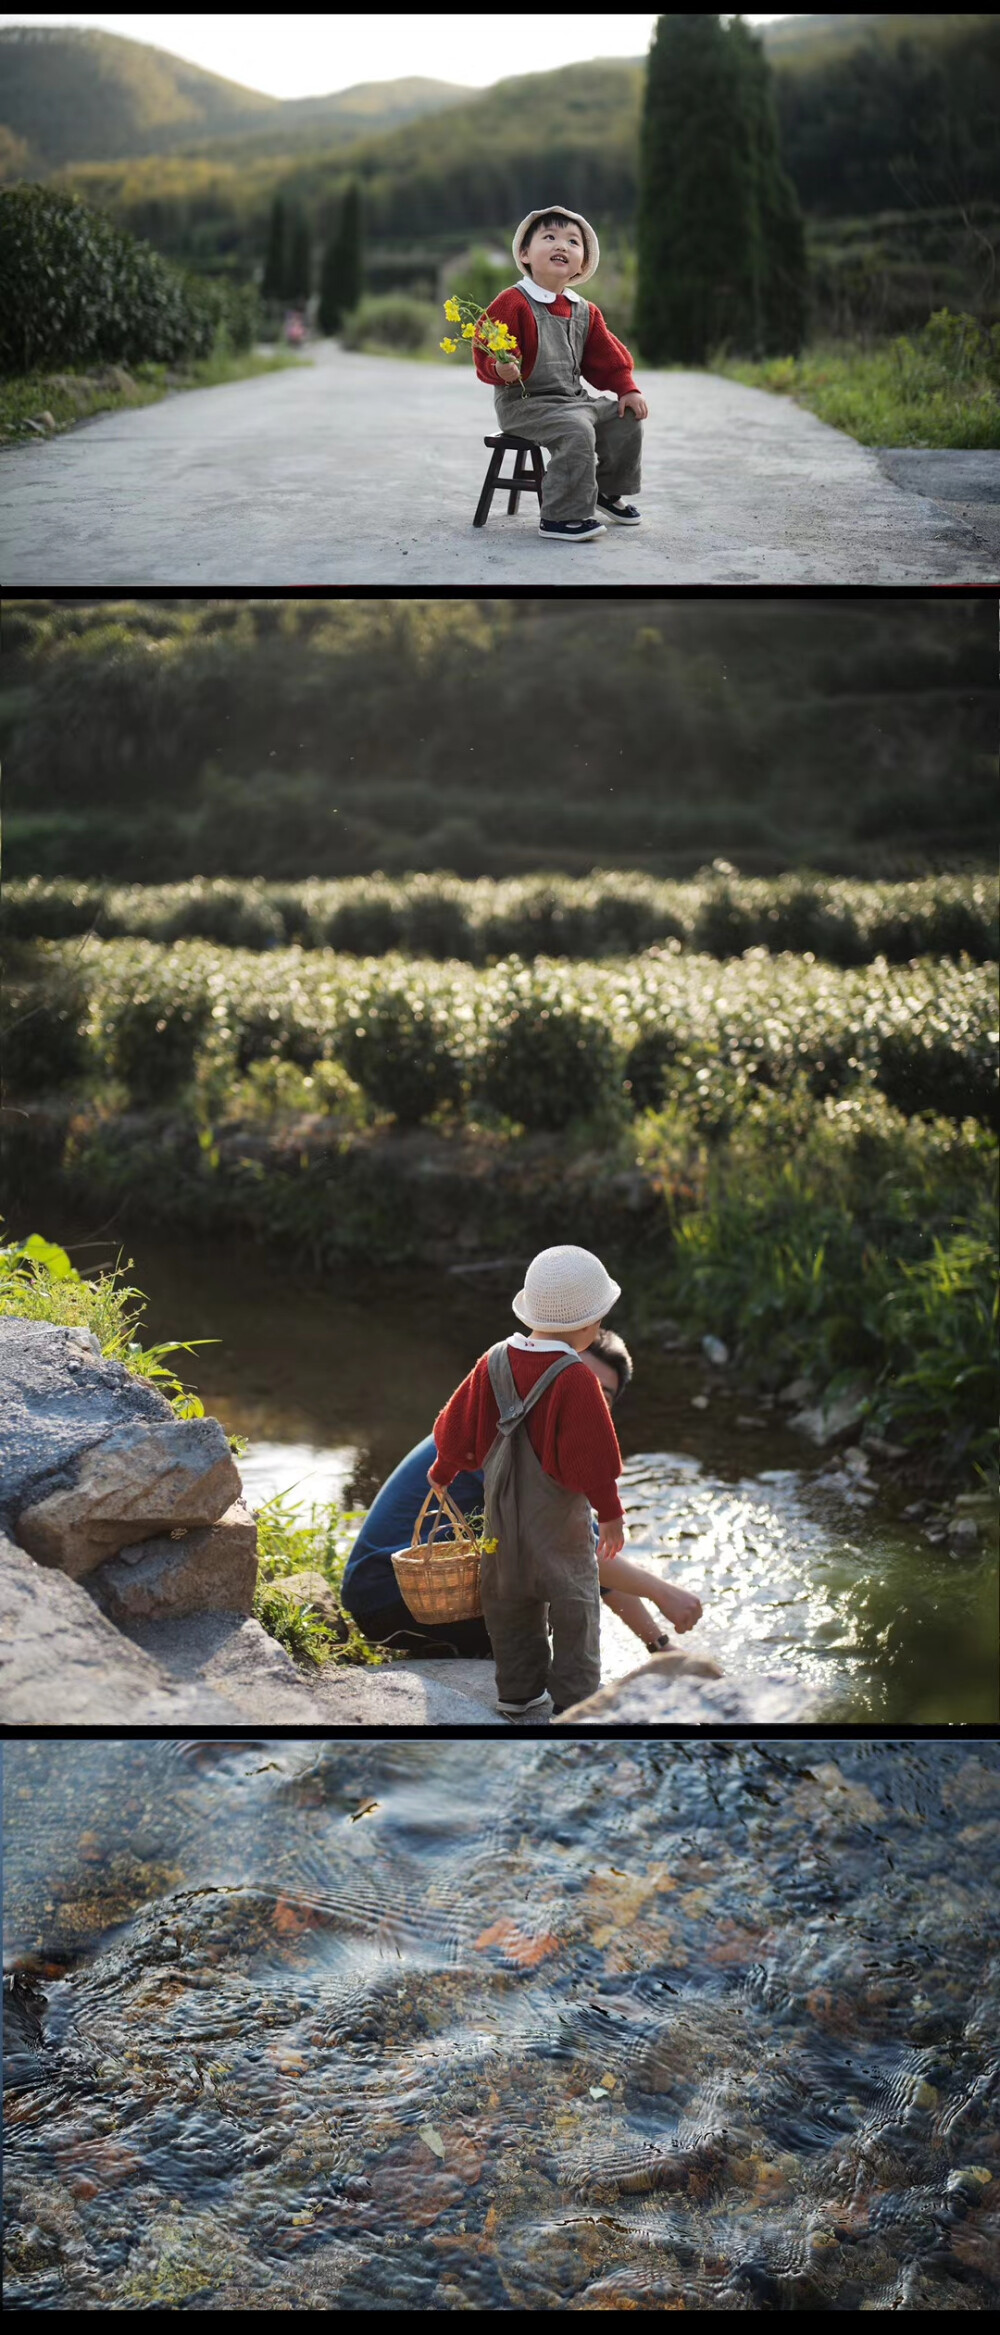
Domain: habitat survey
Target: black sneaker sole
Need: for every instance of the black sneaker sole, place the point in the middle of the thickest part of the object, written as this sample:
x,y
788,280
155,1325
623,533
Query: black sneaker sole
x,y
618,520
555,535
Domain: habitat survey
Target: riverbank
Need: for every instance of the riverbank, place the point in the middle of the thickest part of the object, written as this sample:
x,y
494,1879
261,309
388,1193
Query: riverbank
x,y
834,1241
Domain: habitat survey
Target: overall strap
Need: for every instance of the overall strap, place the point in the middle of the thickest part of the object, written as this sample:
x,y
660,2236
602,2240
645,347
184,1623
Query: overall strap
x,y
514,1408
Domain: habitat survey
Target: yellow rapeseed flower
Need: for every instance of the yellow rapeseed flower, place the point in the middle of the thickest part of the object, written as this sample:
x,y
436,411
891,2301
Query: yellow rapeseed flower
x,y
449,347
452,311
468,332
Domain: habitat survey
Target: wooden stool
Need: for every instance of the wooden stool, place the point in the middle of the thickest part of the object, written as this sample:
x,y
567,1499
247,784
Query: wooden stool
x,y
517,486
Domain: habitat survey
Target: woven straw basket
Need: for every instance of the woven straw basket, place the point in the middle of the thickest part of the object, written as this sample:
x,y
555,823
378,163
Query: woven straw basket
x,y
439,1578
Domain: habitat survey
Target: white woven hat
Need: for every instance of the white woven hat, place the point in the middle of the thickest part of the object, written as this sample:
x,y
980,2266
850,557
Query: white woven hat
x,y
591,247
564,1289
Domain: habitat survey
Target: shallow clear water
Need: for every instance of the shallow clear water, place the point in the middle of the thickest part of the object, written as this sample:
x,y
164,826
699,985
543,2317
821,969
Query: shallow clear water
x,y
333,1383
483,2025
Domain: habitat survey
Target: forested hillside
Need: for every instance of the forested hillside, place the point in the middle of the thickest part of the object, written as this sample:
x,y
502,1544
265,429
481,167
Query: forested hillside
x,y
156,740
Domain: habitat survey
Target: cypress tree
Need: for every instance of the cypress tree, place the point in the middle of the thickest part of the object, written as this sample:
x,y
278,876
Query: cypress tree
x,y
721,256
273,280
340,280
778,229
298,271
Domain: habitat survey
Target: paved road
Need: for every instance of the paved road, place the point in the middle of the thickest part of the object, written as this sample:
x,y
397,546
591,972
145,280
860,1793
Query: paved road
x,y
364,471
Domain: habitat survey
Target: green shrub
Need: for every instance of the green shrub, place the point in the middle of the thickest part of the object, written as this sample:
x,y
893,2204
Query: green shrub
x,y
939,1320
390,320
397,1045
76,290
545,1061
43,1043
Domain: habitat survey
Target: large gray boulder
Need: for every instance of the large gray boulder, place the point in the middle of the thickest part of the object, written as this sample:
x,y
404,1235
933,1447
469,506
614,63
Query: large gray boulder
x,y
213,1570
689,1690
148,1478
92,1459
58,1397
62,1663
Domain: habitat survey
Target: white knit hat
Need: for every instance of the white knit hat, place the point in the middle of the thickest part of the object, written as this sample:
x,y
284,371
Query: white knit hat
x,y
564,1289
591,247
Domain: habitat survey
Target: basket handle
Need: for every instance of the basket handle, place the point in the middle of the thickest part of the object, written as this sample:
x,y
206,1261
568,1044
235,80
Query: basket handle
x,y
448,1513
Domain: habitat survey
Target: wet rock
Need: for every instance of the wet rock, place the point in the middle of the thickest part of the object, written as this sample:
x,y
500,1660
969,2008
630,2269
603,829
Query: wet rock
x,y
211,1570
834,1414
716,1352
690,1690
963,1536
140,1481
798,1390
61,1660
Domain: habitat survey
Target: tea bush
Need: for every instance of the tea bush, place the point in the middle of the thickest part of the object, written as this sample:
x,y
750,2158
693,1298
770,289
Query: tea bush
x,y
43,1044
546,1061
399,1046
547,1042
844,922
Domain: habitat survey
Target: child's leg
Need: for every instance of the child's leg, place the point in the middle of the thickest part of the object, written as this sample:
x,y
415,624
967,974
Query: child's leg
x,y
520,1644
575,1623
567,430
619,452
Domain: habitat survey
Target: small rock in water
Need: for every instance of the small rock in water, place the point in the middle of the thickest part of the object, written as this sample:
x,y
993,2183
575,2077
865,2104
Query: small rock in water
x,y
699,1402
856,1461
963,1536
715,1352
798,1390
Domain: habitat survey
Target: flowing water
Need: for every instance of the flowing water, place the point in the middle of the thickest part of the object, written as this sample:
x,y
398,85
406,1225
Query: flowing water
x,y
802,1570
502,2025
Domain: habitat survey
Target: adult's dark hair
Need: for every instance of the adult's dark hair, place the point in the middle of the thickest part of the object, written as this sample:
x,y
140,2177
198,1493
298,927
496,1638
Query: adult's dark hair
x,y
613,1349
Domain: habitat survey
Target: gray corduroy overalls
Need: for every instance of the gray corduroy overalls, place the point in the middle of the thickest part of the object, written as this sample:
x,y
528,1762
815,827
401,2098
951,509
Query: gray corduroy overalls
x,y
545,1560
590,445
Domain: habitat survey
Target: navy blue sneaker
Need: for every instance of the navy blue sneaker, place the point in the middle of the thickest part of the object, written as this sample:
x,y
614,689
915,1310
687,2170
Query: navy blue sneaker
x,y
625,513
571,530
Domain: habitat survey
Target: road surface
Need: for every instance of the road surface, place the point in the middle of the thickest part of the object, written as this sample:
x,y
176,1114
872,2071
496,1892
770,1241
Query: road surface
x,y
365,471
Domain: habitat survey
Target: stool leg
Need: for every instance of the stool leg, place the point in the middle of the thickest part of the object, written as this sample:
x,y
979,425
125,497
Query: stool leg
x,y
518,481
538,467
489,487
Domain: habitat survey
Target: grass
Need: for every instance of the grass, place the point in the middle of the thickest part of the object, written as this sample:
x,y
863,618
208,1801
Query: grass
x,y
938,389
72,397
291,1539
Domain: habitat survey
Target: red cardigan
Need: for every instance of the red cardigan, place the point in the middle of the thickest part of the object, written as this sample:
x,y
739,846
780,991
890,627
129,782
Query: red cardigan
x,y
570,1428
606,361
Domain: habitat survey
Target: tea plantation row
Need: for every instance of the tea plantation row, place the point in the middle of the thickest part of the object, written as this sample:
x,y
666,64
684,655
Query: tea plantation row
x,y
718,914
541,1044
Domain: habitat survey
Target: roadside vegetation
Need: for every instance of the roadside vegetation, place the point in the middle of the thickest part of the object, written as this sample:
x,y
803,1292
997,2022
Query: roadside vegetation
x,y
937,387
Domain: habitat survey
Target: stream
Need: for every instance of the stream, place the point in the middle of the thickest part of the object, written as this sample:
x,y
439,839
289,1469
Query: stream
x,y
801,1573
501,2025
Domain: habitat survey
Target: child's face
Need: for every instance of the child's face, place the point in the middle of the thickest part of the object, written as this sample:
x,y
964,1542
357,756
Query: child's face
x,y
554,256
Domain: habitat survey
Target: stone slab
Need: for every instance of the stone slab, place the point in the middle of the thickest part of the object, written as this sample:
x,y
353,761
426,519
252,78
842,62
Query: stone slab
x,y
146,1478
62,1663
208,1570
235,1658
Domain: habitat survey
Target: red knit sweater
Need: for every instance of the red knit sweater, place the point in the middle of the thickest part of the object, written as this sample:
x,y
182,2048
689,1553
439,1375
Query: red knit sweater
x,y
570,1428
606,361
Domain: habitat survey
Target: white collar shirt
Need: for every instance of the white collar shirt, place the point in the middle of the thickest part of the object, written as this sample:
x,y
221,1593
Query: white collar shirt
x,y
538,292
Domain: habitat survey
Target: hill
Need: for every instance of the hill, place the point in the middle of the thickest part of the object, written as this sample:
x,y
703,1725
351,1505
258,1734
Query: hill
x,y
74,95
772,732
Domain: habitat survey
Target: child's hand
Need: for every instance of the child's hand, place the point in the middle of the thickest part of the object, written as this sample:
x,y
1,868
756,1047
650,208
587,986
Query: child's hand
x,y
681,1607
632,403
508,372
610,1537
